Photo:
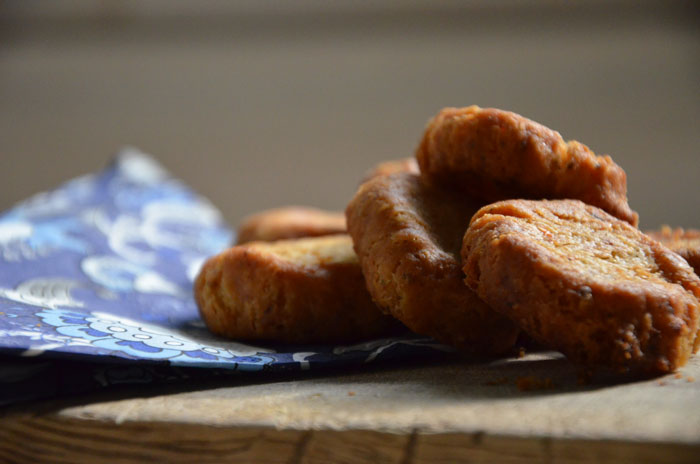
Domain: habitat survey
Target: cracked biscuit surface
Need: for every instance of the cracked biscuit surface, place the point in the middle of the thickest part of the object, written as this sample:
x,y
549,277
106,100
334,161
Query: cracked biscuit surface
x,y
496,155
298,291
581,281
685,242
290,222
407,236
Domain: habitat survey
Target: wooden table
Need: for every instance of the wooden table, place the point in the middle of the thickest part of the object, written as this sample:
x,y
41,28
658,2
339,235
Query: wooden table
x,y
519,409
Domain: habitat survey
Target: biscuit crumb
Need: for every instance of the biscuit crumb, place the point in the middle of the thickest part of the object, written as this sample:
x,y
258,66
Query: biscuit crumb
x,y
661,383
521,352
690,379
584,376
498,381
351,393
678,375
531,382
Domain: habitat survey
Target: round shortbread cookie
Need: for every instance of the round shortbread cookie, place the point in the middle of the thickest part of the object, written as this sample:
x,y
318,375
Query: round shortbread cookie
x,y
685,242
497,155
299,291
407,236
583,282
290,222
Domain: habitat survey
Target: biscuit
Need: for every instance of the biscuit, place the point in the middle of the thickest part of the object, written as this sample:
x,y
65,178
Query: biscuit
x,y
392,167
685,242
298,291
583,282
290,222
497,155
407,237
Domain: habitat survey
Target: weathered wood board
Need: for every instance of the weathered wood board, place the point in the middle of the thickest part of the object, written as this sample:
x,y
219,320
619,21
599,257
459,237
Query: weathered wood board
x,y
458,411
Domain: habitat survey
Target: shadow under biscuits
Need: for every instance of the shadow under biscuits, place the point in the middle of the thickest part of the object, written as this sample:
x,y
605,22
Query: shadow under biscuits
x,y
52,383
433,376
462,378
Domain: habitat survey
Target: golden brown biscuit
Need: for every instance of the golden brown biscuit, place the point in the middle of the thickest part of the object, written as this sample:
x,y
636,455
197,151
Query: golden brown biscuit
x,y
581,281
392,167
407,237
685,242
290,222
497,155
299,291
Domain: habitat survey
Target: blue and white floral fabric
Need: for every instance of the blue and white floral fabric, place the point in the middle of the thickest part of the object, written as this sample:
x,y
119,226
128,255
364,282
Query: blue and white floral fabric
x,y
101,270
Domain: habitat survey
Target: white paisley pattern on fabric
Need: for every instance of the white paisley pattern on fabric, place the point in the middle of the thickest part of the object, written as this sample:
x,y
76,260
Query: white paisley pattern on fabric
x,y
102,269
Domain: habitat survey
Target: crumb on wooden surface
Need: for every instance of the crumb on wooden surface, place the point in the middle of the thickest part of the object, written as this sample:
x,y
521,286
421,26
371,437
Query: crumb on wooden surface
x,y
530,382
584,376
498,381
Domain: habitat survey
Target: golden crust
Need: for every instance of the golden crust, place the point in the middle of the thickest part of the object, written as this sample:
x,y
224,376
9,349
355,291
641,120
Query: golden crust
x,y
685,242
496,155
407,237
298,291
392,167
290,222
581,281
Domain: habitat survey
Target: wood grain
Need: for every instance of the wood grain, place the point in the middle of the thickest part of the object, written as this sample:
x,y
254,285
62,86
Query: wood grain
x,y
449,448
61,440
356,446
55,439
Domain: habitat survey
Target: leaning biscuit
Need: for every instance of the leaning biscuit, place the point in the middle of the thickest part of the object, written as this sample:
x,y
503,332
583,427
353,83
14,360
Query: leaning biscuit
x,y
298,291
685,242
496,155
290,222
581,281
407,236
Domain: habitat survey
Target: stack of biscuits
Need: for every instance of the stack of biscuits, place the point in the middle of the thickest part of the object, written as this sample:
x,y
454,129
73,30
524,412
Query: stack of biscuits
x,y
498,227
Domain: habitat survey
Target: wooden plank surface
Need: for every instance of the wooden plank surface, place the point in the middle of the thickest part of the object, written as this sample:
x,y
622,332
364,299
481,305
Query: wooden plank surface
x,y
449,397
455,411
58,440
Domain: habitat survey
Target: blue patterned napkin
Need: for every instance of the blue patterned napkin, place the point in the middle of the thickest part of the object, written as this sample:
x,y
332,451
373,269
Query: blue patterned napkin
x,y
100,270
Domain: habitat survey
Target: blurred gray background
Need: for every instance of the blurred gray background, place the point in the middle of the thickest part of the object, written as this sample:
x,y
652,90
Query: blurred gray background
x,y
258,104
